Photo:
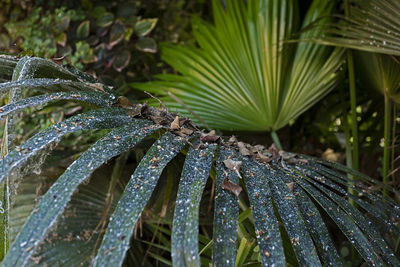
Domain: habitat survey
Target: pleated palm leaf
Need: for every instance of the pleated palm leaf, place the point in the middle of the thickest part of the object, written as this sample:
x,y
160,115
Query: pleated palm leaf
x,y
382,72
290,195
243,76
372,26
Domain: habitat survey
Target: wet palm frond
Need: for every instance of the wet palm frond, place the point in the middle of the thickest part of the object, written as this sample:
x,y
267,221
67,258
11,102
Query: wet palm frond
x,y
290,195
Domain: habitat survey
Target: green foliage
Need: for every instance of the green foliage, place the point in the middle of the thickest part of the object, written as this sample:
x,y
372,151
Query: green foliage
x,y
96,39
281,212
372,26
243,76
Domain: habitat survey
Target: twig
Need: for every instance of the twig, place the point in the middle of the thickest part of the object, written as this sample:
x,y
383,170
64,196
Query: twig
x,y
190,110
152,96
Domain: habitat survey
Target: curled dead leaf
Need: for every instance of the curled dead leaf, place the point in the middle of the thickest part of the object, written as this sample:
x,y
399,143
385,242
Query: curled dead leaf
x,y
185,132
230,186
157,119
243,149
290,186
297,160
98,86
233,166
175,124
123,102
232,140
274,151
209,137
262,158
137,110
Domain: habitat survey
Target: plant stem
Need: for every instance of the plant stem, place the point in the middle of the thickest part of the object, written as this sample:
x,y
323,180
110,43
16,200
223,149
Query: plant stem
x,y
353,99
345,122
353,106
393,142
4,200
275,138
386,136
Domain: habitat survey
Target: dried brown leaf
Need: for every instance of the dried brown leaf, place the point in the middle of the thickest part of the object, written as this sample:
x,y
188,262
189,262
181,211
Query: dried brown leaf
x,y
262,158
232,164
233,140
243,149
290,186
123,102
175,124
274,151
185,131
230,186
209,137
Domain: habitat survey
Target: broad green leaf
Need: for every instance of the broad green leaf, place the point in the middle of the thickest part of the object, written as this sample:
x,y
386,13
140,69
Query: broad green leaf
x,y
34,67
226,213
382,72
146,44
122,60
145,26
96,119
117,33
105,20
57,197
186,216
83,29
138,191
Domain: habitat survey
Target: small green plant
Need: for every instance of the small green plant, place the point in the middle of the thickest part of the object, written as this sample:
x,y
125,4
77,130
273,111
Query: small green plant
x,y
289,194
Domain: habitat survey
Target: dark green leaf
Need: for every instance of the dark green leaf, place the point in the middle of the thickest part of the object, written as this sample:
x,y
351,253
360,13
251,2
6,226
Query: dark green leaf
x,y
147,45
96,119
145,26
293,221
105,20
58,196
83,29
121,60
103,100
226,214
267,230
117,33
186,216
139,189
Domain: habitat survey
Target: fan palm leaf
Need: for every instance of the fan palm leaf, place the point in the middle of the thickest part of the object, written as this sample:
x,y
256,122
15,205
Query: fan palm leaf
x,y
372,26
243,76
289,194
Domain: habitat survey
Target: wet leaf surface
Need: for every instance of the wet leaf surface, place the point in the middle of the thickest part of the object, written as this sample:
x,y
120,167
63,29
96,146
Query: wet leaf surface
x,y
139,189
266,224
226,213
57,197
185,230
93,98
96,119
